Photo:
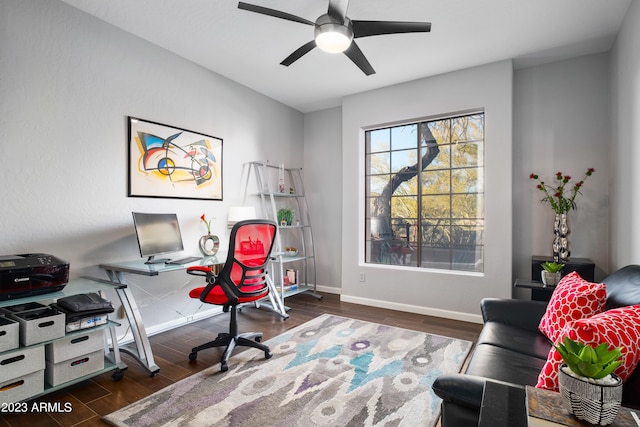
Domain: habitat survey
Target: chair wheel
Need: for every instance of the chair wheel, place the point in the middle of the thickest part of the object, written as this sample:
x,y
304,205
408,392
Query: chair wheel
x,y
223,367
193,356
268,355
117,375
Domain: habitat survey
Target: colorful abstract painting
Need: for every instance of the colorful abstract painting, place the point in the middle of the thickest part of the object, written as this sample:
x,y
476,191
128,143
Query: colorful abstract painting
x,y
166,161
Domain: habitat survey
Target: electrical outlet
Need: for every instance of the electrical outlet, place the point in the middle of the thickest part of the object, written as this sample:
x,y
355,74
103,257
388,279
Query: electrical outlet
x,y
363,277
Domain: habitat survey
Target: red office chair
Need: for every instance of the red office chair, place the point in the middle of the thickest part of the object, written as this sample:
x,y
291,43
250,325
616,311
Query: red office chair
x,y
243,279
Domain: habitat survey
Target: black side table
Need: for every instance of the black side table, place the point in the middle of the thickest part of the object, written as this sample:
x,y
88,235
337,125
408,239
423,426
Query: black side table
x,y
539,291
585,267
502,406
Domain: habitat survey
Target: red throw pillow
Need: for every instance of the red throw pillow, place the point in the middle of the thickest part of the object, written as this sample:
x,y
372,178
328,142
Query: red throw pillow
x,y
574,298
620,327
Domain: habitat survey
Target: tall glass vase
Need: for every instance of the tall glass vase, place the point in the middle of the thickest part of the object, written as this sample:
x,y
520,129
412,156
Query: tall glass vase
x,y
561,231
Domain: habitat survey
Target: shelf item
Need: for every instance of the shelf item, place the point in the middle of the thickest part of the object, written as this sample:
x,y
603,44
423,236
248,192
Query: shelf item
x,y
281,193
38,366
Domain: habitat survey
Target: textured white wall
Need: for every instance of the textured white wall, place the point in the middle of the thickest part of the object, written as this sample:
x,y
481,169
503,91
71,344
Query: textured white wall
x,y
67,83
420,290
562,123
625,138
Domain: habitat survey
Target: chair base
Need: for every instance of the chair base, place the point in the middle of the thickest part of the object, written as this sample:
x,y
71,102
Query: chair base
x,y
232,339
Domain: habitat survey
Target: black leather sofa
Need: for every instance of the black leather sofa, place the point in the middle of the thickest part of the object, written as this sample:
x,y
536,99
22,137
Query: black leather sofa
x,y
511,350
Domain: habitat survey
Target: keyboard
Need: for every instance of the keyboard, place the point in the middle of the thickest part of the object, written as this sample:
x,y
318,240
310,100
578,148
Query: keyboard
x,y
181,261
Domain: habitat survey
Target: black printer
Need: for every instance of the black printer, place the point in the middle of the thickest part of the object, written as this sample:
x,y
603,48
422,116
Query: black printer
x,y
31,274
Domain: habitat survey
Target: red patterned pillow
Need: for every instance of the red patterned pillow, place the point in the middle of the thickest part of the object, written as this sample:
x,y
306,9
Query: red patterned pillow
x,y
574,298
620,327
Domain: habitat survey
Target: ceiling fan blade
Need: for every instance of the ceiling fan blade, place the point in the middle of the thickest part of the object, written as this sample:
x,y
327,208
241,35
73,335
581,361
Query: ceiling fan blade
x,y
355,54
299,53
338,8
273,12
376,28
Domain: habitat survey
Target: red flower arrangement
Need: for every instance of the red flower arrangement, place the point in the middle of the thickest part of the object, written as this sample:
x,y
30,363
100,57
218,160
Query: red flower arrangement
x,y
207,223
561,200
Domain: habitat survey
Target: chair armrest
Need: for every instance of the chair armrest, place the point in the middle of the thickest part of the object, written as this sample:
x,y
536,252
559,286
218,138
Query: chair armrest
x,y
523,314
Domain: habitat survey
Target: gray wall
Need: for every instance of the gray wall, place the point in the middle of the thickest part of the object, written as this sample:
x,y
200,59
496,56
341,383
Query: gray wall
x,y
625,143
323,185
421,290
561,123
67,83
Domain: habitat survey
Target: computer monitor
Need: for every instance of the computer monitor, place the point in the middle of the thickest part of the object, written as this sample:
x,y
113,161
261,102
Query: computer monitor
x,y
158,234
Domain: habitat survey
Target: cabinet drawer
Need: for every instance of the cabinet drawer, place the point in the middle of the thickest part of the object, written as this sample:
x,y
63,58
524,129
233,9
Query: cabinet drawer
x,y
74,345
22,388
58,373
16,363
9,334
37,326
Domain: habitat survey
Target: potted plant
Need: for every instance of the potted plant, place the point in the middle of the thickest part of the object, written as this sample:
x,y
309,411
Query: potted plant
x,y
589,388
551,273
285,216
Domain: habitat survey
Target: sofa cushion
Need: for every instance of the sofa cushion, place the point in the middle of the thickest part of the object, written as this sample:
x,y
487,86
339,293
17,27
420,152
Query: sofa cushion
x,y
506,365
620,327
623,287
574,298
531,343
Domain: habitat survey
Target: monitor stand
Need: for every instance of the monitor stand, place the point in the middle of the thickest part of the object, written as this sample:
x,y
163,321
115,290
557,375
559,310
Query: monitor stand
x,y
153,260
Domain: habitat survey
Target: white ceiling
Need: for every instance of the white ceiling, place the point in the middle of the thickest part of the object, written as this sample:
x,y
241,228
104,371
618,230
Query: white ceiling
x,y
248,47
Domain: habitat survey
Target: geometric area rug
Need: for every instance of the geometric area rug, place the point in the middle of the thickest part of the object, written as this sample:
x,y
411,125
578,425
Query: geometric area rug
x,y
330,371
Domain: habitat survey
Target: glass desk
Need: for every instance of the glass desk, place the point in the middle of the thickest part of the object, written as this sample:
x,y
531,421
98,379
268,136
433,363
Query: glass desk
x,y
141,349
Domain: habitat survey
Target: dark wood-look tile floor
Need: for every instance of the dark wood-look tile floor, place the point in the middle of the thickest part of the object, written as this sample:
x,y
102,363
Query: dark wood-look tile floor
x,y
101,395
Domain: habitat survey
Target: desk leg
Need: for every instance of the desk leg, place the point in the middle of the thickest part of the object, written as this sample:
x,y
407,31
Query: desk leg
x,y
142,353
113,353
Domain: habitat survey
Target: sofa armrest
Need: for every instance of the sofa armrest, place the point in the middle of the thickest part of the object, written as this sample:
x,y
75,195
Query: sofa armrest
x,y
523,314
461,389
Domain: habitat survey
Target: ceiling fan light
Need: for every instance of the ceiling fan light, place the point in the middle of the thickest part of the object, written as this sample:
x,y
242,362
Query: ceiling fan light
x,y
333,38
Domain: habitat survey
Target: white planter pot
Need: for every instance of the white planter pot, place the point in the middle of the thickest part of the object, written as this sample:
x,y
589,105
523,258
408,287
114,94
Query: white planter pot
x,y
550,279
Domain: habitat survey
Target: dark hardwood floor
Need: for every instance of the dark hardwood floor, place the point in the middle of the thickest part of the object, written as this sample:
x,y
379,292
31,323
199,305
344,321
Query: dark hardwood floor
x,y
101,395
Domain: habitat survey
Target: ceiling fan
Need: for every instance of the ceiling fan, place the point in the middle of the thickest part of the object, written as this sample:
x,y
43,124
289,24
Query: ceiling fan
x,y
334,31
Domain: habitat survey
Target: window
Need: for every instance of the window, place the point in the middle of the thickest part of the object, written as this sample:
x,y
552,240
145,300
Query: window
x,y
425,194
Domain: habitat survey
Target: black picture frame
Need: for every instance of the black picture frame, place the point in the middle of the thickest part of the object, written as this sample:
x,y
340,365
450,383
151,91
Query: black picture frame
x,y
171,162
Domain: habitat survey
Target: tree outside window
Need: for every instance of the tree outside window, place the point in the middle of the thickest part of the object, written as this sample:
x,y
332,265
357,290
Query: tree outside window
x,y
425,194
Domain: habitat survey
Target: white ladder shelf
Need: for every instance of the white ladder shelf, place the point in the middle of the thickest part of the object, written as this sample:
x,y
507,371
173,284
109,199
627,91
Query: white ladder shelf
x,y
282,188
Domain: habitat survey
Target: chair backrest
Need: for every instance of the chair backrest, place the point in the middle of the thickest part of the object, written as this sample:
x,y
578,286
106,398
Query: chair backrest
x,y
250,245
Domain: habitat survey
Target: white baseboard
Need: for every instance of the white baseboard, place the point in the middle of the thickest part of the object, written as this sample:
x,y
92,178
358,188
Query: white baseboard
x,y
328,289
427,311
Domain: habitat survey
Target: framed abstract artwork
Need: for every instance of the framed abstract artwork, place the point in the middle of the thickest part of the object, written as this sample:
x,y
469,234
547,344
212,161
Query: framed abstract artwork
x,y
166,161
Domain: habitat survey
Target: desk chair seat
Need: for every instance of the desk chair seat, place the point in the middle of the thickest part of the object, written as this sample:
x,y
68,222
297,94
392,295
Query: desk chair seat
x,y
243,279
